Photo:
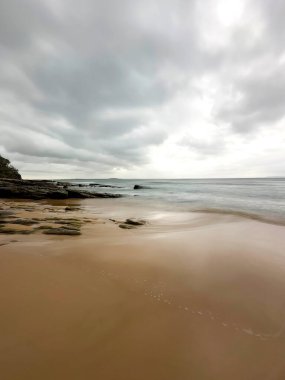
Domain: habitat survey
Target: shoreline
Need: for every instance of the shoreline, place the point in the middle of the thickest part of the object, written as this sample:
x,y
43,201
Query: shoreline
x,y
130,193
157,301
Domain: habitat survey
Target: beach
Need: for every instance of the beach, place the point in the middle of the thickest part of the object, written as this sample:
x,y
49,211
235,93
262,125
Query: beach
x,y
183,296
142,190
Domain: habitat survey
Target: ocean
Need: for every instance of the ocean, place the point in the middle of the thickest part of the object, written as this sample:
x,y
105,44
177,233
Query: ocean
x,y
258,198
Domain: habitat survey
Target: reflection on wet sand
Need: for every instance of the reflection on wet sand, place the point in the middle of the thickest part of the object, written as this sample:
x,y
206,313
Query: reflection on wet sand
x,y
198,297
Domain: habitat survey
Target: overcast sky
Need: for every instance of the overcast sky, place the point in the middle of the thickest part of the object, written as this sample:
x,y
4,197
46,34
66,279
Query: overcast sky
x,y
143,89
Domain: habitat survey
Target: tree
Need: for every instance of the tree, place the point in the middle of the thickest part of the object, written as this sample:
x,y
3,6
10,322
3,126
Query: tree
x,y
7,170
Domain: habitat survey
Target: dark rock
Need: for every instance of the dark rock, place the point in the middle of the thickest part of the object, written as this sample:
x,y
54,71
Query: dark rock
x,y
14,231
6,213
135,222
44,227
79,194
107,195
85,194
72,208
62,231
24,222
140,187
126,226
102,185
31,189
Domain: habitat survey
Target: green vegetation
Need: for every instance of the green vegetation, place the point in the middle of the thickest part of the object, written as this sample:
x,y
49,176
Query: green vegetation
x,y
7,170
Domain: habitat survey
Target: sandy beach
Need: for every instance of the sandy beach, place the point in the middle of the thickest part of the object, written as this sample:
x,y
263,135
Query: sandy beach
x,y
185,296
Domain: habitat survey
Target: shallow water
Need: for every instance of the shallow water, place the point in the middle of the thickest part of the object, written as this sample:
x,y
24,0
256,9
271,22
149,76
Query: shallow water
x,y
261,198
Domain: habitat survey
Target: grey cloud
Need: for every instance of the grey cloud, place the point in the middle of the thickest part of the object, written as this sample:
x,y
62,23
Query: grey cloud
x,y
252,73
76,90
204,147
70,62
20,20
75,62
262,101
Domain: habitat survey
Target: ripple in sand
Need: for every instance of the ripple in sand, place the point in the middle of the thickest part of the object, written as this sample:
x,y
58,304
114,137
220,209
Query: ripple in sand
x,y
248,331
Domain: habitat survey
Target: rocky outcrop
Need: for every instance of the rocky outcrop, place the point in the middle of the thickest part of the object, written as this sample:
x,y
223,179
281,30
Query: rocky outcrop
x,y
62,231
32,189
129,223
135,222
7,170
13,223
103,185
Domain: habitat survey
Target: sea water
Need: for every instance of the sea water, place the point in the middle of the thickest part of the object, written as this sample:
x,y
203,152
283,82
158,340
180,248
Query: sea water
x,y
261,198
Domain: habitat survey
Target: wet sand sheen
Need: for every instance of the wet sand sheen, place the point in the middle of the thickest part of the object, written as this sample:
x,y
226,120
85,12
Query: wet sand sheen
x,y
205,301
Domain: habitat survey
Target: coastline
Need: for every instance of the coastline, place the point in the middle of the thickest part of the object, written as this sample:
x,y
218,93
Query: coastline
x,y
185,295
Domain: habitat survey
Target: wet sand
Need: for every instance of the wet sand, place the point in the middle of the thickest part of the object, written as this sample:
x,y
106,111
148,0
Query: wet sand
x,y
187,296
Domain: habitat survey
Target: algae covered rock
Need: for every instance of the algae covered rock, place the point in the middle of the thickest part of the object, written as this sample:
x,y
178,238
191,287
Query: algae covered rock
x,y
62,231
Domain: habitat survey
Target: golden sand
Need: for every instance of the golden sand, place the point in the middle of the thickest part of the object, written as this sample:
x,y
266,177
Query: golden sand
x,y
183,297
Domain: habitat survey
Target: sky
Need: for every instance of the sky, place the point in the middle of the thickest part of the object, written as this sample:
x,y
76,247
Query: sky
x,y
143,89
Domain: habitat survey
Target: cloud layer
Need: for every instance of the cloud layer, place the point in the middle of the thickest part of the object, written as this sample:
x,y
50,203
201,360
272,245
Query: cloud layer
x,y
171,88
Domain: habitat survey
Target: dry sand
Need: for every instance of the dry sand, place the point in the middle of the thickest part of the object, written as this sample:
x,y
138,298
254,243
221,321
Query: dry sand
x,y
187,296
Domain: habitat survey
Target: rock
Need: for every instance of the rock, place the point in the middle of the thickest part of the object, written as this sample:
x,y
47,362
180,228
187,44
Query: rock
x,y
31,189
6,213
107,195
85,194
126,226
15,231
140,187
72,208
44,227
62,231
102,185
129,223
135,222
24,222
79,194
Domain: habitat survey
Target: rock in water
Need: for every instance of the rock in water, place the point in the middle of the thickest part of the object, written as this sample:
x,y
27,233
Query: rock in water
x,y
135,222
140,187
